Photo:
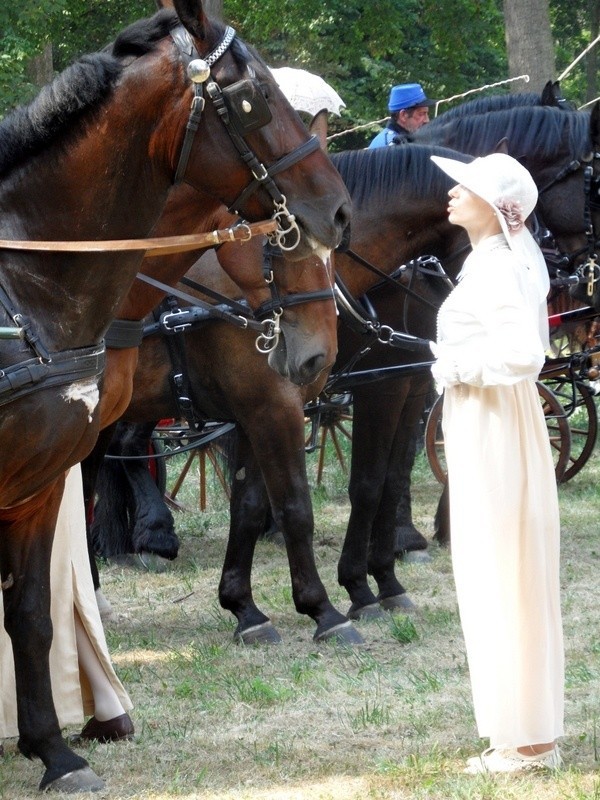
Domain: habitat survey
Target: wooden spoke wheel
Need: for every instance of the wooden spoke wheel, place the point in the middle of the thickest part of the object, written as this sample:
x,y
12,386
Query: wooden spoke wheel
x,y
556,421
208,452
328,419
582,413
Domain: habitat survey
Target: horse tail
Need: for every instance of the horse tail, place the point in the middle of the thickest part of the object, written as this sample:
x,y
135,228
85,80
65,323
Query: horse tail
x,y
110,527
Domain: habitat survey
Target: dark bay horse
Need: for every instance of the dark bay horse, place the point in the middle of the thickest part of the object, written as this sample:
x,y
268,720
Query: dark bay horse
x,y
560,150
399,202
94,158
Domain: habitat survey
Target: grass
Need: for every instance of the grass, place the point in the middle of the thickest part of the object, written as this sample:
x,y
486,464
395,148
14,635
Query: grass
x,y
299,721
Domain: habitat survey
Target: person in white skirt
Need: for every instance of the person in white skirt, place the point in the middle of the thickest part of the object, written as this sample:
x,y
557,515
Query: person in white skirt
x,y
504,515
83,678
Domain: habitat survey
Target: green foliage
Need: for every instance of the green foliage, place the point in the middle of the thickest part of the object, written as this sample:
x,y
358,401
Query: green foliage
x,y
74,27
361,47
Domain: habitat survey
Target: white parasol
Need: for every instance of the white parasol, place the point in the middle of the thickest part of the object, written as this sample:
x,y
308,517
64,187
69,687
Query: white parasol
x,y
307,92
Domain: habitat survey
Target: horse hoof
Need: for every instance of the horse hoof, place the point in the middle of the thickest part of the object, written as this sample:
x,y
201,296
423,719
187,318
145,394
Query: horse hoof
x,y
399,602
415,557
408,538
104,606
371,611
153,562
344,633
80,780
265,633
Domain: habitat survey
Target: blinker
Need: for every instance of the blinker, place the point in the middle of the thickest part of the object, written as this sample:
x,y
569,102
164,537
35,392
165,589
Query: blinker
x,y
247,105
198,70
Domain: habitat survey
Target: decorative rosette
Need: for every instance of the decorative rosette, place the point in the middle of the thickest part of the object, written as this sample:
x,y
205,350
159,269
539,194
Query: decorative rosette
x,y
512,211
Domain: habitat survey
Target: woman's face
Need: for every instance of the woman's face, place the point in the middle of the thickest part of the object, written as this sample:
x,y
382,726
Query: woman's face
x,y
467,209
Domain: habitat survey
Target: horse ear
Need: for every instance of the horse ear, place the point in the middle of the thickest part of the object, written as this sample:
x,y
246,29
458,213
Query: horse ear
x,y
502,146
192,16
318,127
164,4
549,94
595,124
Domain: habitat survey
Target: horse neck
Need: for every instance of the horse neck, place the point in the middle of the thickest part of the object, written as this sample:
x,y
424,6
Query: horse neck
x,y
111,182
391,236
187,211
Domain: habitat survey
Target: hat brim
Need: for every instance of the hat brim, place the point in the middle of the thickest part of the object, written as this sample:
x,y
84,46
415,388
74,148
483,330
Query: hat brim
x,y
462,172
420,104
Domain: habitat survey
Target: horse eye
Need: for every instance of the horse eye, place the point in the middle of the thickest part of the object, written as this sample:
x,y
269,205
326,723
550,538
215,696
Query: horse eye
x,y
265,89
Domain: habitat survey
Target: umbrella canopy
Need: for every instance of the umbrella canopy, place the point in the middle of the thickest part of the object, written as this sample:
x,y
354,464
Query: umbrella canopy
x,y
307,92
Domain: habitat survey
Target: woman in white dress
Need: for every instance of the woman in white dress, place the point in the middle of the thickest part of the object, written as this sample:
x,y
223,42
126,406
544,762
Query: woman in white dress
x,y
83,679
492,334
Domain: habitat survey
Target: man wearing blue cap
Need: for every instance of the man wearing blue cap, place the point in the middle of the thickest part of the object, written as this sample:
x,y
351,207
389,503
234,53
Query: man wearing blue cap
x,y
409,110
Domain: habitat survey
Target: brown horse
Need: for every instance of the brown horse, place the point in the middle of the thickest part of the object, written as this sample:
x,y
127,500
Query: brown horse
x,y
394,191
94,157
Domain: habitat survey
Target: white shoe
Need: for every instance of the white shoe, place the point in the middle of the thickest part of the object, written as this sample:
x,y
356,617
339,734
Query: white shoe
x,y
510,760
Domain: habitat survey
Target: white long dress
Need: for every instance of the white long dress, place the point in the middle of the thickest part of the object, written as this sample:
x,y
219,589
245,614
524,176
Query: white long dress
x,y
504,513
71,587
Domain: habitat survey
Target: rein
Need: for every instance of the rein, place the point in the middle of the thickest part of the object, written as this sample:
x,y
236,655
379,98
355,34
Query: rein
x,y
153,246
232,311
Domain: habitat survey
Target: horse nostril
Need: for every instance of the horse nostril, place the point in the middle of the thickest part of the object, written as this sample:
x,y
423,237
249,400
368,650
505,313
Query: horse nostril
x,y
311,368
343,216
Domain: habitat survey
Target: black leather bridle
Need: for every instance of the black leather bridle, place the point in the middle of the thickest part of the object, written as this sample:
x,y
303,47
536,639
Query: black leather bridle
x,y
242,107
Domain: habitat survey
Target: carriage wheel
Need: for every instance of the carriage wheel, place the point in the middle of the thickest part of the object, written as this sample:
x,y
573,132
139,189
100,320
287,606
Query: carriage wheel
x,y
582,414
556,422
328,419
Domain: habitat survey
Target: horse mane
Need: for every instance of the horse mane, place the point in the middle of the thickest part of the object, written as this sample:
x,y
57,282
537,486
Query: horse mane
x,y
541,130
494,102
383,172
78,90
31,128
142,35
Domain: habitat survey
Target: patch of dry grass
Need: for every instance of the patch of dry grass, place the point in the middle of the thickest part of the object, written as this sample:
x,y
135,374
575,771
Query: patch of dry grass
x,y
300,721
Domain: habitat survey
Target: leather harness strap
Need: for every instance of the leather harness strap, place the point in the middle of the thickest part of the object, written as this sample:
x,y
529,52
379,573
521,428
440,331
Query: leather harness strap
x,y
66,366
157,246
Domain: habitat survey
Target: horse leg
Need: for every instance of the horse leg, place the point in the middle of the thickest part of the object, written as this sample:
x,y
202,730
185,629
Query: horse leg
x,y
140,522
25,551
151,521
278,459
381,562
408,538
90,467
375,419
248,508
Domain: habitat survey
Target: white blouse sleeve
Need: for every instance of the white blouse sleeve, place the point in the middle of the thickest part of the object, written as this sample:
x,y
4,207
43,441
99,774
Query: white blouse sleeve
x,y
491,328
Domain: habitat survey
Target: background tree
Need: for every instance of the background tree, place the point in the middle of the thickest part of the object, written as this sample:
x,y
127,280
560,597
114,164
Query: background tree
x,y
360,47
529,42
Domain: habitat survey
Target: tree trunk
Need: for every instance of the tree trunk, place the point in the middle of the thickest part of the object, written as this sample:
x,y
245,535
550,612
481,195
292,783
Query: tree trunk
x,y
529,43
40,70
591,59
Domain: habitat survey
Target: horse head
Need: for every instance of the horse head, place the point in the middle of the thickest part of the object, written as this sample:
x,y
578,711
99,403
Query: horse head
x,y
250,136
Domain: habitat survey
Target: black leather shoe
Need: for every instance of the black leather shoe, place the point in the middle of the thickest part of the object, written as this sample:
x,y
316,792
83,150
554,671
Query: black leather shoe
x,y
111,730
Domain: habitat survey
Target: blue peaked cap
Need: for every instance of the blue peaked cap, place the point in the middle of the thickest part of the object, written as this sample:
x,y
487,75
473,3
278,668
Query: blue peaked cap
x,y
408,95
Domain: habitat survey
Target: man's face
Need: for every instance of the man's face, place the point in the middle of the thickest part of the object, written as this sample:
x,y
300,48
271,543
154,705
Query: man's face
x,y
413,118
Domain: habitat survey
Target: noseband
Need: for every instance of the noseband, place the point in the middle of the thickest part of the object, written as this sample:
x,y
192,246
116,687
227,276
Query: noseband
x,y
588,271
242,108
